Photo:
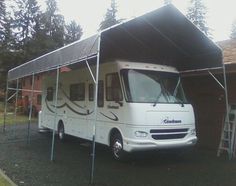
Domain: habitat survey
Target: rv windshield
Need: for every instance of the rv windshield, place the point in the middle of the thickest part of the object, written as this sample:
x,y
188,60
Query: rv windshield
x,y
145,86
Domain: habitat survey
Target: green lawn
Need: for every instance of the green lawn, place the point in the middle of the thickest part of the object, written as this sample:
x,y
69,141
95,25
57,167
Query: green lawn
x,y
3,181
10,119
1,107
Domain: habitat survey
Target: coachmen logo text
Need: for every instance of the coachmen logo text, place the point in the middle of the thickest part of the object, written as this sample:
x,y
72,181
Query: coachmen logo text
x,y
171,121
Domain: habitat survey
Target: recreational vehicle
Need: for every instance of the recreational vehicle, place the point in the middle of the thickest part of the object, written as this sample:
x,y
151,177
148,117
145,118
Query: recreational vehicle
x,y
141,106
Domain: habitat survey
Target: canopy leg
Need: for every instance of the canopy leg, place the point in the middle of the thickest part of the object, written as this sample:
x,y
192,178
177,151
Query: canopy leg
x,y
30,111
95,112
16,105
5,108
55,116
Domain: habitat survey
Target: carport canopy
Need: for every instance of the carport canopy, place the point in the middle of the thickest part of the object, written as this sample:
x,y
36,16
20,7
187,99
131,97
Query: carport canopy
x,y
163,36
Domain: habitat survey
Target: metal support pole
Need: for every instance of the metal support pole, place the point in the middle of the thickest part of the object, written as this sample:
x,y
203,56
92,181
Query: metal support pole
x,y
95,111
16,103
55,115
31,106
90,71
13,95
227,110
219,83
25,90
5,108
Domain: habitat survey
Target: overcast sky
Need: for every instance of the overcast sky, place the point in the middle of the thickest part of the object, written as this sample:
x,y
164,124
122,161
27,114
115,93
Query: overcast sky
x,y
89,13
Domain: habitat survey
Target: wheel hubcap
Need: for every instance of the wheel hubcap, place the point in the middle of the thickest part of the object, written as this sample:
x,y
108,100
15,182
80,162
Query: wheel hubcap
x,y
61,133
117,147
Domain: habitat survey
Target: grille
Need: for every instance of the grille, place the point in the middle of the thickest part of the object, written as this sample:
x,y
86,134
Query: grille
x,y
164,134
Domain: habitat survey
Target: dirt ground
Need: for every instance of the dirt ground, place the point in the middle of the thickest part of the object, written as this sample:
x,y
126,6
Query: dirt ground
x,y
30,165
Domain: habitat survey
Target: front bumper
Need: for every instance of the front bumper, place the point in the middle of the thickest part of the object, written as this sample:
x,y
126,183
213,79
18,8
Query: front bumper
x,y
131,145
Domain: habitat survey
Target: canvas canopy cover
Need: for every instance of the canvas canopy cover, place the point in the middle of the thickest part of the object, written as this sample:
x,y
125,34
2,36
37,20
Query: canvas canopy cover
x,y
163,36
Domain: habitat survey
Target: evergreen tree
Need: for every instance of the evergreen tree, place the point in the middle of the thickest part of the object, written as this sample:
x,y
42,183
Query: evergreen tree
x,y
166,2
73,32
54,24
197,14
110,17
9,40
25,12
6,45
233,30
49,31
2,21
41,42
31,33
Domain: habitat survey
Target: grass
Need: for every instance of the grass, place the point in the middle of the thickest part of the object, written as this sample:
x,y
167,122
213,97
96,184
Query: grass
x,y
1,107
3,181
10,119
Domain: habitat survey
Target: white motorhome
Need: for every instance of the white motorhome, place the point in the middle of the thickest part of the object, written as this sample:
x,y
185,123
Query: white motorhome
x,y
140,106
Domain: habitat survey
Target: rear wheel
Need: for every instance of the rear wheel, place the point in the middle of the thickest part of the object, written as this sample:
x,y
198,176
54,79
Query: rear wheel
x,y
61,131
117,147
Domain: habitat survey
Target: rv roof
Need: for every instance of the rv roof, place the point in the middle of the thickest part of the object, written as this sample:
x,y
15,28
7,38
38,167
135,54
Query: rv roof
x,y
164,36
145,66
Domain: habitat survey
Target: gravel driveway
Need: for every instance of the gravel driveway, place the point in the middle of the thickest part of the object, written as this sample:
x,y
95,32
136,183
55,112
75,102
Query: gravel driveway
x,y
29,164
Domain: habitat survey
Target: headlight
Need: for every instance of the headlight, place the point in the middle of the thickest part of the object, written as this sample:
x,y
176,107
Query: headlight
x,y
141,134
193,132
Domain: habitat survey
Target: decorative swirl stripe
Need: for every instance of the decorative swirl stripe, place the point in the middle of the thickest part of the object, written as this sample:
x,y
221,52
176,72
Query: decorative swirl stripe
x,y
113,119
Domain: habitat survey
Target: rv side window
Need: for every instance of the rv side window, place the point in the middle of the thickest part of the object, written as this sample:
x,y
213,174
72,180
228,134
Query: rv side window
x,y
91,92
77,92
113,88
50,94
100,93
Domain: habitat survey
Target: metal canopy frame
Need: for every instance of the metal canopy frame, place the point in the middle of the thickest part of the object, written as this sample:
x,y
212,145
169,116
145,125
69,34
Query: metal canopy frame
x,y
168,35
225,88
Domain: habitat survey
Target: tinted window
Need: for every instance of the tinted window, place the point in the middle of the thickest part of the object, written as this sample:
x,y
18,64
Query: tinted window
x,y
113,88
146,86
91,92
100,93
77,92
49,93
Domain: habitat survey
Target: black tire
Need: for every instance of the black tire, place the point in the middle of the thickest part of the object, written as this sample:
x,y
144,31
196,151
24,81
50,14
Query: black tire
x,y
117,147
61,132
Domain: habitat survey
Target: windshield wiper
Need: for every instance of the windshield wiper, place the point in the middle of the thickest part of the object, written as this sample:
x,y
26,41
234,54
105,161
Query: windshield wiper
x,y
176,88
163,92
175,92
158,96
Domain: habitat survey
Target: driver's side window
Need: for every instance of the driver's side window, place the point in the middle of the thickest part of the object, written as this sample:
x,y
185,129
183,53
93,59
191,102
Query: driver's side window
x,y
113,87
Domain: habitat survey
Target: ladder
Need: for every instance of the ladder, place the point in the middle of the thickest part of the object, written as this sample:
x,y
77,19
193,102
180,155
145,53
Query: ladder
x,y
227,140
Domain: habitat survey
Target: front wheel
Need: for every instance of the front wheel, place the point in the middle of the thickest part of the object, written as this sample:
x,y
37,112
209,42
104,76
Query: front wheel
x,y
117,147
